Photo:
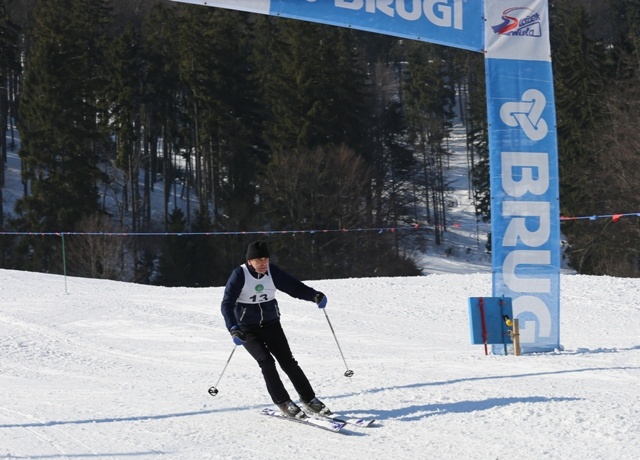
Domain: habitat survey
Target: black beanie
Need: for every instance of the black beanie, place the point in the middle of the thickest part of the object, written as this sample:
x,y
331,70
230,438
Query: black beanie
x,y
257,250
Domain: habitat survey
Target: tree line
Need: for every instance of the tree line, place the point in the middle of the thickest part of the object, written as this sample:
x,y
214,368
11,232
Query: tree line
x,y
248,122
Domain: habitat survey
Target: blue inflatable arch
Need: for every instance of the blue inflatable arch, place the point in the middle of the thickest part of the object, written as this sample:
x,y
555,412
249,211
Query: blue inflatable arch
x,y
514,37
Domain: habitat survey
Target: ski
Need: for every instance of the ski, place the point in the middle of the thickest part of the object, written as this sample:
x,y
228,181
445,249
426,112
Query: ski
x,y
361,422
324,423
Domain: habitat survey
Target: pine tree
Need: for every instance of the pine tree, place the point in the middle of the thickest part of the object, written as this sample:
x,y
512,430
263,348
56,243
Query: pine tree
x,y
340,158
162,94
8,65
174,265
475,117
59,124
222,141
580,75
429,101
124,92
604,246
314,88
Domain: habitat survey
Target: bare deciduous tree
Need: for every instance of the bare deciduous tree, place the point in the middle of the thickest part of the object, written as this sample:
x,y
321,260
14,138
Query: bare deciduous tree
x,y
97,254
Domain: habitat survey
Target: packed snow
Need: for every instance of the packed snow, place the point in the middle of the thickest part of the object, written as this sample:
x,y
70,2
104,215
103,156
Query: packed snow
x,y
103,369
113,370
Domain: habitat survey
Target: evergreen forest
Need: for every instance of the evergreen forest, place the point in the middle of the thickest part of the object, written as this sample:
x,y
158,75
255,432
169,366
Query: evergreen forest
x,y
253,123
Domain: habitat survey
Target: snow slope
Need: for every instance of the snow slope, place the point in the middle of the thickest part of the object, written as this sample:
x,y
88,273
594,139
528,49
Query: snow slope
x,y
109,370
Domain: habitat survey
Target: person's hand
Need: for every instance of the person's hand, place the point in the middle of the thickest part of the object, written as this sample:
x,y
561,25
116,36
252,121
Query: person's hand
x,y
320,299
237,335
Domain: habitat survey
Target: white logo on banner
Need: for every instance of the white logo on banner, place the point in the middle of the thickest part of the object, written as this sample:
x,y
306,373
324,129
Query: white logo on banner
x,y
527,114
439,12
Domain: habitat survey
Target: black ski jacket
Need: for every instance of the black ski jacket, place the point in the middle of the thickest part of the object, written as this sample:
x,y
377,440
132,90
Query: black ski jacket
x,y
248,316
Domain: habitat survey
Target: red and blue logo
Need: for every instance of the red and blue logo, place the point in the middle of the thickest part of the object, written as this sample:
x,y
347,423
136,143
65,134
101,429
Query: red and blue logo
x,y
519,22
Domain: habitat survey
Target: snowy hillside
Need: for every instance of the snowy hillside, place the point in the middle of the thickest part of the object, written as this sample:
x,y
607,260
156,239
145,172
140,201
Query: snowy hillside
x,y
101,369
464,246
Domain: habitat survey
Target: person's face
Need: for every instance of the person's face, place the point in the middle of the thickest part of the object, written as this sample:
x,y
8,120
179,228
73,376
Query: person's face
x,y
260,265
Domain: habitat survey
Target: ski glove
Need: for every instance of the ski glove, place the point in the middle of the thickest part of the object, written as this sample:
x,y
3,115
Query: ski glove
x,y
320,299
237,335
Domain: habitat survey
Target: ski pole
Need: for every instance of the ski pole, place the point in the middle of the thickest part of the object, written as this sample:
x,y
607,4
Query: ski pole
x,y
213,390
348,372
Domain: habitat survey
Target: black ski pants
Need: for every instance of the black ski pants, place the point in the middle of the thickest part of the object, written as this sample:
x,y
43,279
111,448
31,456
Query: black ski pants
x,y
266,343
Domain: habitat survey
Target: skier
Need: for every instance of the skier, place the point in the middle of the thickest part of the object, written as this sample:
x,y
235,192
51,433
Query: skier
x,y
251,314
